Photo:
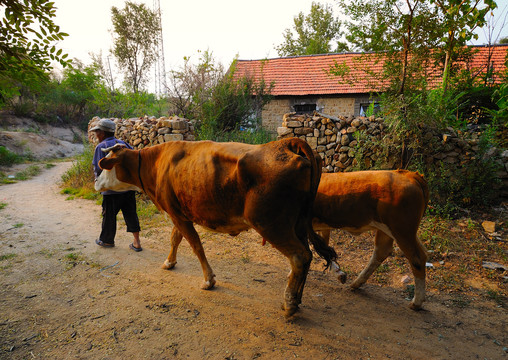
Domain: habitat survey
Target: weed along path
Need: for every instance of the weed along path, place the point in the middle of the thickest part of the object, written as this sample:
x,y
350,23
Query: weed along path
x,y
63,297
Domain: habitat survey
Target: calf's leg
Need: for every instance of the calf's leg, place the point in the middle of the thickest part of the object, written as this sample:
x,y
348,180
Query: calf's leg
x,y
383,248
417,256
176,239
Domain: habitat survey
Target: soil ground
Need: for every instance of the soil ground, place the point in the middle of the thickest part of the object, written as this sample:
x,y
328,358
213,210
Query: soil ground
x,y
63,297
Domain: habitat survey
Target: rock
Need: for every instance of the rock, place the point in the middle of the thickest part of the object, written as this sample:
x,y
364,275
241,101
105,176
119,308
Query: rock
x,y
494,266
282,131
489,226
173,137
406,279
294,124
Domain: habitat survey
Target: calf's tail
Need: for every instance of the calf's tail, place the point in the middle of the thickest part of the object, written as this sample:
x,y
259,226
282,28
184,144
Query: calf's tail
x,y
425,188
303,149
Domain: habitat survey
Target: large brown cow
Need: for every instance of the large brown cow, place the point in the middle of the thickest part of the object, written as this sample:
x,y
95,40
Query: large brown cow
x,y
229,188
390,202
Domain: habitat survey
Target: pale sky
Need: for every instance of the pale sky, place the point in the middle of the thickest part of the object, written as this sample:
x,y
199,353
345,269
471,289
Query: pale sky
x,y
250,29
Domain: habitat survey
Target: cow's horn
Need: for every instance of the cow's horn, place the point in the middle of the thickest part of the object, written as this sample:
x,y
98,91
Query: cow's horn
x,y
113,148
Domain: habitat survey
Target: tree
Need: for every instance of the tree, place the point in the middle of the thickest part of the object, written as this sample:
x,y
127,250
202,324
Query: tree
x,y
459,18
190,86
27,36
316,33
400,33
134,44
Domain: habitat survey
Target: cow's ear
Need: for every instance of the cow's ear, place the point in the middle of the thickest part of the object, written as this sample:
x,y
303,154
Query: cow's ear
x,y
108,163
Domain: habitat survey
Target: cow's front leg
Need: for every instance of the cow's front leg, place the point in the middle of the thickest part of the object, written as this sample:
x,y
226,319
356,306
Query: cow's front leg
x,y
383,248
176,239
188,231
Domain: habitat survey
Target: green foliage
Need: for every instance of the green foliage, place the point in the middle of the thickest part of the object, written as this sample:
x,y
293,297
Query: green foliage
x,y
400,35
81,175
247,136
316,33
190,86
454,187
124,105
134,46
27,37
232,104
8,158
412,122
459,19
29,172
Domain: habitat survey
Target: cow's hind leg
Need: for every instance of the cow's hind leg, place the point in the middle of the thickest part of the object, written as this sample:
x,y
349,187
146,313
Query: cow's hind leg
x,y
300,257
187,230
383,248
176,239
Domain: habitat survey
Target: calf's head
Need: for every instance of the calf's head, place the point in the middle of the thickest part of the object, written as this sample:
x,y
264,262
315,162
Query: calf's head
x,y
116,174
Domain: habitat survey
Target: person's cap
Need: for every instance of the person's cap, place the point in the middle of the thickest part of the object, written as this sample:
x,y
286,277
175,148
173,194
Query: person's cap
x,y
105,125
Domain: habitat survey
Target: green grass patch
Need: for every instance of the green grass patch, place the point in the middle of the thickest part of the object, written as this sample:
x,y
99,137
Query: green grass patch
x,y
72,259
82,192
29,172
18,225
7,256
80,175
3,206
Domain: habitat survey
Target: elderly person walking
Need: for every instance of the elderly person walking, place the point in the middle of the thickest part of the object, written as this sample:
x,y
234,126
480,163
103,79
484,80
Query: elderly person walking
x,y
112,201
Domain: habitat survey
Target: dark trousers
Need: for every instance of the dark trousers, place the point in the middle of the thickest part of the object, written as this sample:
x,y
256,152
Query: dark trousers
x,y
111,205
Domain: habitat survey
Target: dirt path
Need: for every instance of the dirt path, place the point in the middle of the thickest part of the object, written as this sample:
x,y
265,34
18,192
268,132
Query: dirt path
x,y
62,297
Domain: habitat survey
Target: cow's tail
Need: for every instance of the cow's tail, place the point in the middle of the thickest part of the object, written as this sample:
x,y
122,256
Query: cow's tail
x,y
425,188
319,244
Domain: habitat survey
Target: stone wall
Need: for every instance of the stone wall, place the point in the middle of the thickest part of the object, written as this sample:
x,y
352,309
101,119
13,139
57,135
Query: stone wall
x,y
147,131
343,141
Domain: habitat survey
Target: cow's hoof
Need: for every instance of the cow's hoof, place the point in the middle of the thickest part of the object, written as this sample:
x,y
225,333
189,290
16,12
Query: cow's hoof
x,y
342,277
208,285
168,265
289,311
415,307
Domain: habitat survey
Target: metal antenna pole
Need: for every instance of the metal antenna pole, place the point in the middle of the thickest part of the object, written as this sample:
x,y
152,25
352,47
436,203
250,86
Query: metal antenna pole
x,y
161,86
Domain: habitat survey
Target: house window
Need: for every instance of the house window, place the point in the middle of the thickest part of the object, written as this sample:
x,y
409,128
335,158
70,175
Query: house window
x,y
305,108
368,109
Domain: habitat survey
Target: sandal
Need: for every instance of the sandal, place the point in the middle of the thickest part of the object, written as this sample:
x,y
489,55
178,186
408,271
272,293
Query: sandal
x,y
132,247
103,244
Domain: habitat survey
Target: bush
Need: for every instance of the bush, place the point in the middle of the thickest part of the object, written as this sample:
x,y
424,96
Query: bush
x,y
259,136
80,175
8,158
453,187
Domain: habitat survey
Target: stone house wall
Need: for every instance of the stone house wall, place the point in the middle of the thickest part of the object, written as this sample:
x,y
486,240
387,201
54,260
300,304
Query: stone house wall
x,y
274,111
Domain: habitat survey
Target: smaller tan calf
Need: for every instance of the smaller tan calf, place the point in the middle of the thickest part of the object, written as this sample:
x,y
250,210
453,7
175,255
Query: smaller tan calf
x,y
390,202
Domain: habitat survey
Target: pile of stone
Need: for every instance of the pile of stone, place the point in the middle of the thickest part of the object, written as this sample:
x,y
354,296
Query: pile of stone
x,y
147,131
343,141
334,138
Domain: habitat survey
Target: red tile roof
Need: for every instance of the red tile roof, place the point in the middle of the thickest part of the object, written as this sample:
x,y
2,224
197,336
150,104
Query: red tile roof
x,y
309,75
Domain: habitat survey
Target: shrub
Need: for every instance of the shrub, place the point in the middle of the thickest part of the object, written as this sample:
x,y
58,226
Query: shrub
x,y
8,158
81,175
